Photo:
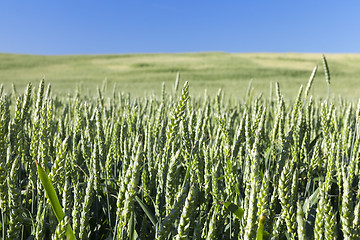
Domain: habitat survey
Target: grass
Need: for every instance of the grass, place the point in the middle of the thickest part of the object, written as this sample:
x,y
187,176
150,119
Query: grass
x,y
139,73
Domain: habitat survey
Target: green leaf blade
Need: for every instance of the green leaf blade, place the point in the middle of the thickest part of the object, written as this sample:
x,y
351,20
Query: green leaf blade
x,y
54,200
234,209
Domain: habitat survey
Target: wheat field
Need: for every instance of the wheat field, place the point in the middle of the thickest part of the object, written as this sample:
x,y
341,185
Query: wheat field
x,y
142,74
176,165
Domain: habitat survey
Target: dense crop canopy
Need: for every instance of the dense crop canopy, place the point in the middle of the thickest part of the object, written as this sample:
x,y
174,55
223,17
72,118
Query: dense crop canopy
x,y
176,167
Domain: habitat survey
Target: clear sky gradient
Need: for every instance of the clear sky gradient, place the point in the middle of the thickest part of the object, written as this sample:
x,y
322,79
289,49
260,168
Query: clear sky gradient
x,y
153,26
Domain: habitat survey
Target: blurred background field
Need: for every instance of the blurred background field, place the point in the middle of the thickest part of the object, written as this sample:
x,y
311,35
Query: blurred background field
x,y
143,74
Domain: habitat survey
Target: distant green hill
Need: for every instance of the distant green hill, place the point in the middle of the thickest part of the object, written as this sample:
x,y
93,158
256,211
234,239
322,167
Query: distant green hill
x,y
142,74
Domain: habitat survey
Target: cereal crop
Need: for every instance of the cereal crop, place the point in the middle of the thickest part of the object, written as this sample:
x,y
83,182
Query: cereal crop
x,y
174,166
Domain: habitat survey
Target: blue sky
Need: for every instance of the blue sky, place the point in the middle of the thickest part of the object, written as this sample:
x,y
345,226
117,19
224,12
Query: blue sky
x,y
100,27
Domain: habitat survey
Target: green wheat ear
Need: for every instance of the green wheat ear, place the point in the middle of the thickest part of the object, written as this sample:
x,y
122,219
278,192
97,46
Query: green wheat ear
x,y
326,69
327,75
310,82
54,200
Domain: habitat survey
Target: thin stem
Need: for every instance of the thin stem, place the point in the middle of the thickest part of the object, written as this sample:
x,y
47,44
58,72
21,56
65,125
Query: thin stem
x,y
353,141
115,228
3,222
107,199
